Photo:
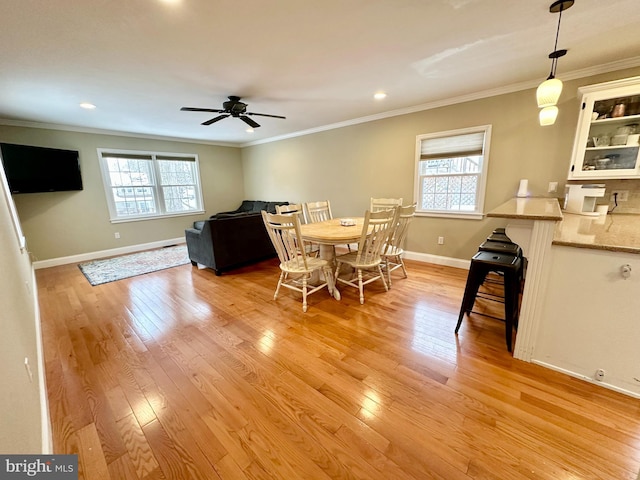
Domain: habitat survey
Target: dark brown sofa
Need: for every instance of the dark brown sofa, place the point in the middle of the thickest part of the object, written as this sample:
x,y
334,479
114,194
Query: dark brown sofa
x,y
229,240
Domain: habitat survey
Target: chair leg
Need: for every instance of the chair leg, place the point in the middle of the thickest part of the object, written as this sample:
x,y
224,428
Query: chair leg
x,y
360,286
384,282
404,270
459,321
510,305
386,263
282,278
304,294
474,280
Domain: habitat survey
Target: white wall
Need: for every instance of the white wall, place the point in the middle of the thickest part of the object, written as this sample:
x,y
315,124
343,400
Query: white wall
x,y
22,420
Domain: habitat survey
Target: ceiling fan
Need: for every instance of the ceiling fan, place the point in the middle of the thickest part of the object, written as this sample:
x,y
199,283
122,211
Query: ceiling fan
x,y
232,107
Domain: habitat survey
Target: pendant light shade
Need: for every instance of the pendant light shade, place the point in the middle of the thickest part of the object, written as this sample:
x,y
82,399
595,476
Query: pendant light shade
x,y
548,92
548,115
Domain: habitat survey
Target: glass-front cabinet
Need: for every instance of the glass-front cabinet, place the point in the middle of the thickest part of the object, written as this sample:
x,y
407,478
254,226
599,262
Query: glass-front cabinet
x,y
606,143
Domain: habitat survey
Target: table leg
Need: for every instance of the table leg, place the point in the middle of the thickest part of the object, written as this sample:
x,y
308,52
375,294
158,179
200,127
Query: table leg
x,y
328,253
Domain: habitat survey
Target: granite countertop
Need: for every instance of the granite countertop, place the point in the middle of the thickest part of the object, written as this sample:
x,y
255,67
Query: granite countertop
x,y
615,232
529,208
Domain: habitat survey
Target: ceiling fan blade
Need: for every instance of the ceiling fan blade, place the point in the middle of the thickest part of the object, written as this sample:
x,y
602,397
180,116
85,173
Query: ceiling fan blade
x,y
249,121
196,109
264,115
214,120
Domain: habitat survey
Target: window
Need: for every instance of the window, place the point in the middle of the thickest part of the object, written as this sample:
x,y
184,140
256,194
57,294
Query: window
x,y
143,185
451,171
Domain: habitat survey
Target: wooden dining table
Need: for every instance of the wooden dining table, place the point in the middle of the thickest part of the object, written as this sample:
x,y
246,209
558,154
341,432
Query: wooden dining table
x,y
329,233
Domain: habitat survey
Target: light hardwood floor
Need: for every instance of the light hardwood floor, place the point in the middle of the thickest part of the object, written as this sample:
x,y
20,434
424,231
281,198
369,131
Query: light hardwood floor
x,y
181,374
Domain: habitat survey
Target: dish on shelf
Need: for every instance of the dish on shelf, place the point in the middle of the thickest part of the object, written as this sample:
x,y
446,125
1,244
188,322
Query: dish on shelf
x,y
620,139
601,141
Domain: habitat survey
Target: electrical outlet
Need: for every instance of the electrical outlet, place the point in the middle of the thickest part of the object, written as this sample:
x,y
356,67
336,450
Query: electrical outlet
x,y
620,195
117,234
553,187
600,374
440,240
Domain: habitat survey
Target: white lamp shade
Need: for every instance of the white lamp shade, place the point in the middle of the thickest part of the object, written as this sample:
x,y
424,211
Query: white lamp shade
x,y
549,92
548,115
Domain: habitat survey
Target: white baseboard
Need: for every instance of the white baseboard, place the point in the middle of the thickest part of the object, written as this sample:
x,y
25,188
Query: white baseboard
x,y
438,260
84,257
45,419
586,378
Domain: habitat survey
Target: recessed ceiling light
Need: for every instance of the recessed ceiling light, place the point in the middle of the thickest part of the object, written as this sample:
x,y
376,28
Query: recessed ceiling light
x,y
249,130
379,95
87,105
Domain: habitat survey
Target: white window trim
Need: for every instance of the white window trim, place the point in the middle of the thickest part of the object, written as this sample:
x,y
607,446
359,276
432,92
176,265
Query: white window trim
x,y
108,187
482,181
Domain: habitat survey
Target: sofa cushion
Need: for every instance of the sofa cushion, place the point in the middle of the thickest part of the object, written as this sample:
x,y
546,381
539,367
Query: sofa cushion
x,y
259,205
198,225
271,206
250,207
247,206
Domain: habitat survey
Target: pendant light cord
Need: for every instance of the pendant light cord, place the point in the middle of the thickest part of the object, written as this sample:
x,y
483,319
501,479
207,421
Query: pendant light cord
x,y
554,60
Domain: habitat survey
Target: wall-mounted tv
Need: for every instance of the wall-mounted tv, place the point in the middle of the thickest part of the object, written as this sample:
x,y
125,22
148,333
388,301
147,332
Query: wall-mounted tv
x,y
32,169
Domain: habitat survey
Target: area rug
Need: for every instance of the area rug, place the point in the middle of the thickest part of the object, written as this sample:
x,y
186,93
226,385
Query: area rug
x,y
117,268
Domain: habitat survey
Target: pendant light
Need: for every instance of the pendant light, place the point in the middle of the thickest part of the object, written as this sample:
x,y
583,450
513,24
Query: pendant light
x,y
548,92
548,115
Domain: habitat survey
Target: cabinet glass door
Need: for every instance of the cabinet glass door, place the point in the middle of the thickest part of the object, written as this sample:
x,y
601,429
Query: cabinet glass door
x,y
607,143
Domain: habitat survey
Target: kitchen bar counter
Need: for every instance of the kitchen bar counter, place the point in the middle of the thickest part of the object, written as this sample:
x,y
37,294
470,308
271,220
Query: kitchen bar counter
x,y
529,208
616,232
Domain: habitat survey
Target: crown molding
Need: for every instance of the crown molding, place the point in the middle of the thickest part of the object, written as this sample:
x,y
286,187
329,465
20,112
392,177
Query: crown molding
x,y
516,87
99,131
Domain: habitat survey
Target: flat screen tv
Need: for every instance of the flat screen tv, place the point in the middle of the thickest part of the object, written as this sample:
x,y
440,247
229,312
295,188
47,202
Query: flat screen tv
x,y
32,169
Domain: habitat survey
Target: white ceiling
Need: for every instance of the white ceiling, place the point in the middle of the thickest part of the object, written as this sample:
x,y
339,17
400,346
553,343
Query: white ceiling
x,y
317,63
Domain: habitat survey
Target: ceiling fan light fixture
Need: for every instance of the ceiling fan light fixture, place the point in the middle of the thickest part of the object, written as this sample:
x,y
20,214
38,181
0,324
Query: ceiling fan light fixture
x,y
548,115
548,92
231,108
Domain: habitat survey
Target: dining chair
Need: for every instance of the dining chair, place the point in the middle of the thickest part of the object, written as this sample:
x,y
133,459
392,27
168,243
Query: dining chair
x,y
317,211
297,209
291,209
296,267
378,204
366,261
393,250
